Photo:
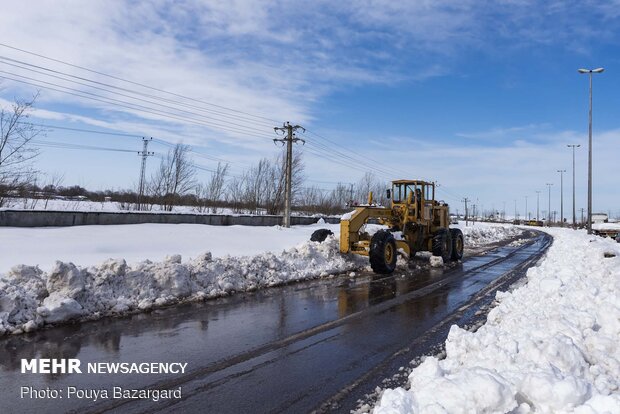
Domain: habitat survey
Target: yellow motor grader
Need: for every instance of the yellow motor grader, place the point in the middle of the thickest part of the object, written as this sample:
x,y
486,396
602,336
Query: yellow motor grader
x,y
415,220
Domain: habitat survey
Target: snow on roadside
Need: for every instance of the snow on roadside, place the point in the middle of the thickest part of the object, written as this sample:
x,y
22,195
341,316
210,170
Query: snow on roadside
x,y
551,345
479,234
31,298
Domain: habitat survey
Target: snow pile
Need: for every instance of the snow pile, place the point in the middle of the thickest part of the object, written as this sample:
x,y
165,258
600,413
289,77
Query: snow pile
x,y
31,298
482,233
550,346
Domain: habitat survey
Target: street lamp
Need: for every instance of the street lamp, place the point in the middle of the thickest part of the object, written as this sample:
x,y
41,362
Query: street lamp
x,y
549,208
562,197
590,72
573,146
527,215
537,205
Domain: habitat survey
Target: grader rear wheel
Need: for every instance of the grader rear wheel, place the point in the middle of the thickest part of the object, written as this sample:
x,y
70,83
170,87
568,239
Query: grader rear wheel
x,y
442,244
458,244
383,252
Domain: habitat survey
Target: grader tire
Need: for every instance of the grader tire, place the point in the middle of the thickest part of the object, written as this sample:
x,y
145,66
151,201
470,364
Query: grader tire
x,y
442,245
458,244
320,235
383,252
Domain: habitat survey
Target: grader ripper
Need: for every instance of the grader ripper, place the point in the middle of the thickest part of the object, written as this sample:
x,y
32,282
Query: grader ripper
x,y
416,222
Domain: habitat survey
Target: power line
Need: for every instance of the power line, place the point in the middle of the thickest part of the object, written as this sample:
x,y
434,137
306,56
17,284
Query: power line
x,y
28,66
212,119
64,145
133,106
133,82
90,131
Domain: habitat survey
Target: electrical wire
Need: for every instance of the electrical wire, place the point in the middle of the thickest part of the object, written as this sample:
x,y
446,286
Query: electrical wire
x,y
29,66
133,106
210,118
133,82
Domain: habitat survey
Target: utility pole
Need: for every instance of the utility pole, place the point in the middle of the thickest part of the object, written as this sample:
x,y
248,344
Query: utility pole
x,y
144,153
516,214
574,215
562,197
474,214
549,208
351,198
466,200
537,205
289,131
527,214
581,215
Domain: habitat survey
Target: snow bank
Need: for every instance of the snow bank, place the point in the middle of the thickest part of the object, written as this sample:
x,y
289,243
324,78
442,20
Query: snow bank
x,y
485,233
31,298
550,346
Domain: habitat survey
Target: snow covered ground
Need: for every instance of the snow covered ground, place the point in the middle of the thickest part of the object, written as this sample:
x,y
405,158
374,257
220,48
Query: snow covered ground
x,y
606,226
90,245
551,345
87,205
115,207
41,284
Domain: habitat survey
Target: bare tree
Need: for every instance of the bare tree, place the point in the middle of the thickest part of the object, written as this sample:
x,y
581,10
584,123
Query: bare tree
x,y
369,182
53,182
212,192
264,184
16,149
236,192
175,177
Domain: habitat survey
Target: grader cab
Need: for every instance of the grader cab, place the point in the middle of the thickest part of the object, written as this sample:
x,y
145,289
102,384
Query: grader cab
x,y
415,220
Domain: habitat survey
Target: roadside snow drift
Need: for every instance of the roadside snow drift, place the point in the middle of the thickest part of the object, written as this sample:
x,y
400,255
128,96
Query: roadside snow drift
x,y
551,345
31,298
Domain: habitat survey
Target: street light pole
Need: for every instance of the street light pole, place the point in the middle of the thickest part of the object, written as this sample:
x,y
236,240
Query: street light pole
x,y
527,216
549,208
574,213
562,197
590,72
537,205
516,214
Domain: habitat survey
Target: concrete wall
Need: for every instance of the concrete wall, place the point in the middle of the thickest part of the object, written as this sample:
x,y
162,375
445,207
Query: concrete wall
x,y
44,218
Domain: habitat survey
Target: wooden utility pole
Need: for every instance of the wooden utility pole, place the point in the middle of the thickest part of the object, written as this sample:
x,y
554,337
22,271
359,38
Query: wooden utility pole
x,y
466,200
289,131
144,153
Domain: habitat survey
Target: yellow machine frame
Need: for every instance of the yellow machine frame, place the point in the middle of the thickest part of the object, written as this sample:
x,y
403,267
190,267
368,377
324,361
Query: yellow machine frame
x,y
419,210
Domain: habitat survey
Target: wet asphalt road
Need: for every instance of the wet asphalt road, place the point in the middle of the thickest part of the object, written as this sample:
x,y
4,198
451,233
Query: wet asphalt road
x,y
313,346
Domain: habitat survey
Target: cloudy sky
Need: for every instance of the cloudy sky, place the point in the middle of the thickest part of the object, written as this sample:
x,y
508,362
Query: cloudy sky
x,y
482,96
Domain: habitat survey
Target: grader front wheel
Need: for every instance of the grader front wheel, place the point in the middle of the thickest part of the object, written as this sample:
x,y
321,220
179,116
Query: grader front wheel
x,y
383,252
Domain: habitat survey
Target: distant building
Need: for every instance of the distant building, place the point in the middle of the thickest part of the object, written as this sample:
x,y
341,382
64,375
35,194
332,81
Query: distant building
x,y
599,218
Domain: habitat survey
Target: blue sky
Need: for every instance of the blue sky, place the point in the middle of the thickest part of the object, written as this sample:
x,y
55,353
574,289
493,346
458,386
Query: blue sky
x,y
481,96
